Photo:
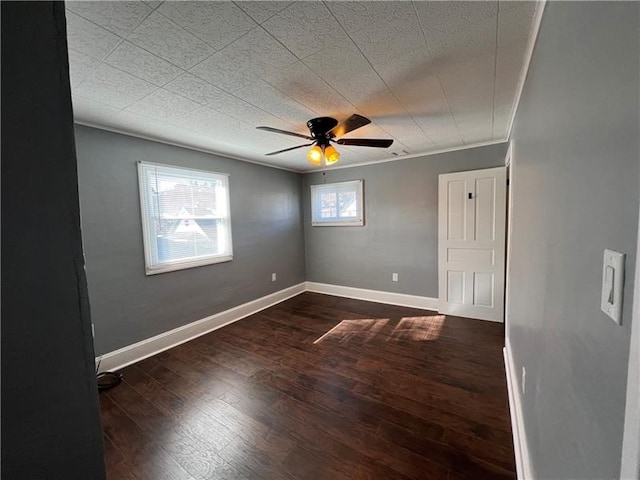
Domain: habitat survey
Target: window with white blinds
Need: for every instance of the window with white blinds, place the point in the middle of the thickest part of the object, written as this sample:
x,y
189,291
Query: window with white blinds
x,y
185,217
337,204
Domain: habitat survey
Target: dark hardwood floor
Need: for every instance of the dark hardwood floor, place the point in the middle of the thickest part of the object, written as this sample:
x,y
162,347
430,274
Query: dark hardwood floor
x,y
318,387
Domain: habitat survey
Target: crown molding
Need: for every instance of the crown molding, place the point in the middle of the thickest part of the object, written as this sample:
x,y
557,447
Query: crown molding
x,y
181,145
533,37
413,155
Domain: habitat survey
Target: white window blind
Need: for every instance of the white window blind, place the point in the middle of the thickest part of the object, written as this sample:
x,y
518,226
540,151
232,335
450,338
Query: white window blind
x,y
185,217
337,204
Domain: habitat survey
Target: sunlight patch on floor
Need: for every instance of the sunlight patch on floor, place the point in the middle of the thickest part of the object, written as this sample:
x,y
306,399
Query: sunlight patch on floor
x,y
419,329
364,329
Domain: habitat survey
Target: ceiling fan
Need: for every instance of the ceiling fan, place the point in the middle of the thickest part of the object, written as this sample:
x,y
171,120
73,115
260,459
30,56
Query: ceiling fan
x,y
323,131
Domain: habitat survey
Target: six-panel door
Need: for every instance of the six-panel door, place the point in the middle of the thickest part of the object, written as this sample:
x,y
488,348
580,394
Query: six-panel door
x,y
471,243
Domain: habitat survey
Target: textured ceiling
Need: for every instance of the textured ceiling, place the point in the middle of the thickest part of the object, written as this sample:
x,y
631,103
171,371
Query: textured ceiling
x,y
430,75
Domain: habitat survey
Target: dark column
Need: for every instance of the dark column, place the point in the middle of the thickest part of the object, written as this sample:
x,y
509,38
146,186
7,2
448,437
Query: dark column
x,y
50,417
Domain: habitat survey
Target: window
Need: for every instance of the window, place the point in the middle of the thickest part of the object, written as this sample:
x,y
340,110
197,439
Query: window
x,y
337,204
185,217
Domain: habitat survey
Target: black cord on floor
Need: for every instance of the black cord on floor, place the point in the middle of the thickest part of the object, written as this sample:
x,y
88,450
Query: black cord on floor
x,y
107,380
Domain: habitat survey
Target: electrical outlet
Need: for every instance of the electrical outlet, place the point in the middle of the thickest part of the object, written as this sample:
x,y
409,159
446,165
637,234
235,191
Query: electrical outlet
x,y
394,277
524,377
273,277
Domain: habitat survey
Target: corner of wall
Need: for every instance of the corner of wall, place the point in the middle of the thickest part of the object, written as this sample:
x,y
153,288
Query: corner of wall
x,y
630,463
520,446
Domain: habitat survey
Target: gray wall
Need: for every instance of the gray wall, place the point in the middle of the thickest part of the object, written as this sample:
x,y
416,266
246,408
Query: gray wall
x,y
50,423
575,193
128,306
401,223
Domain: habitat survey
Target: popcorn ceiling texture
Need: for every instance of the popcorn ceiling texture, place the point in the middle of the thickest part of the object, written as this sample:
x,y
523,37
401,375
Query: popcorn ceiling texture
x,y
431,75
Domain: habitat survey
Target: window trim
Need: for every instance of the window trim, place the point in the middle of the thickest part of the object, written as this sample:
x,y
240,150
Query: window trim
x,y
358,222
149,250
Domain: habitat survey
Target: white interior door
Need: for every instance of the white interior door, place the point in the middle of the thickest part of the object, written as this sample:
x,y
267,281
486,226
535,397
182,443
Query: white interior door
x,y
471,243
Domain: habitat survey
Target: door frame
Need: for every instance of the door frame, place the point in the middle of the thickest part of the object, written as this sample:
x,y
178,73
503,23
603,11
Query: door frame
x,y
509,163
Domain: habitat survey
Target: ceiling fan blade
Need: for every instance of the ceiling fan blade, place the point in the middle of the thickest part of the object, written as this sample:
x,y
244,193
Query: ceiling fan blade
x,y
365,142
349,125
288,149
284,132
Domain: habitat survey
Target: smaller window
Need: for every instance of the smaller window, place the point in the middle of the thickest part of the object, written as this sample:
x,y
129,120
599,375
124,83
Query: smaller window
x,y
185,217
337,204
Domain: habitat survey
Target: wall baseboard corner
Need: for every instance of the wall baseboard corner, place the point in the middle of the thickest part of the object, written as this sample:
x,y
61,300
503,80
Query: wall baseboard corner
x,y
401,299
151,346
520,446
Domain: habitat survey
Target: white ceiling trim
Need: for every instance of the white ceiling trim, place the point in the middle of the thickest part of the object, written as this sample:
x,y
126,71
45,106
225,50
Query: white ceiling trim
x,y
533,37
182,145
268,165
416,155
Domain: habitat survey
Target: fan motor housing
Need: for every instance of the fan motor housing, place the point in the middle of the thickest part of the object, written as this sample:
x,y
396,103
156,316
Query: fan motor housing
x,y
319,128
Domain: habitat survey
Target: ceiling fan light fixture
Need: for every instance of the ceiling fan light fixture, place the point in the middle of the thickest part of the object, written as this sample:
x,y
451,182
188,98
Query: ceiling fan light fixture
x,y
331,155
315,156
322,131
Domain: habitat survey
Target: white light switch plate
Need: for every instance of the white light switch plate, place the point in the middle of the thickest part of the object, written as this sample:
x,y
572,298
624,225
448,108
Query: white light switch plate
x,y
612,285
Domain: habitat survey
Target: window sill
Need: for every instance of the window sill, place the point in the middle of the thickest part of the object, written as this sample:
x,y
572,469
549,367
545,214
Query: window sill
x,y
338,224
172,267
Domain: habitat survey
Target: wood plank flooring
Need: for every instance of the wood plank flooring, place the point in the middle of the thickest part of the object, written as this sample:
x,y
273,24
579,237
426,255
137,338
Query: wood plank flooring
x,y
318,387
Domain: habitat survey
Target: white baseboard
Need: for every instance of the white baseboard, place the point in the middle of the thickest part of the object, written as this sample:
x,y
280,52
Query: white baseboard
x,y
146,348
151,346
520,447
402,299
